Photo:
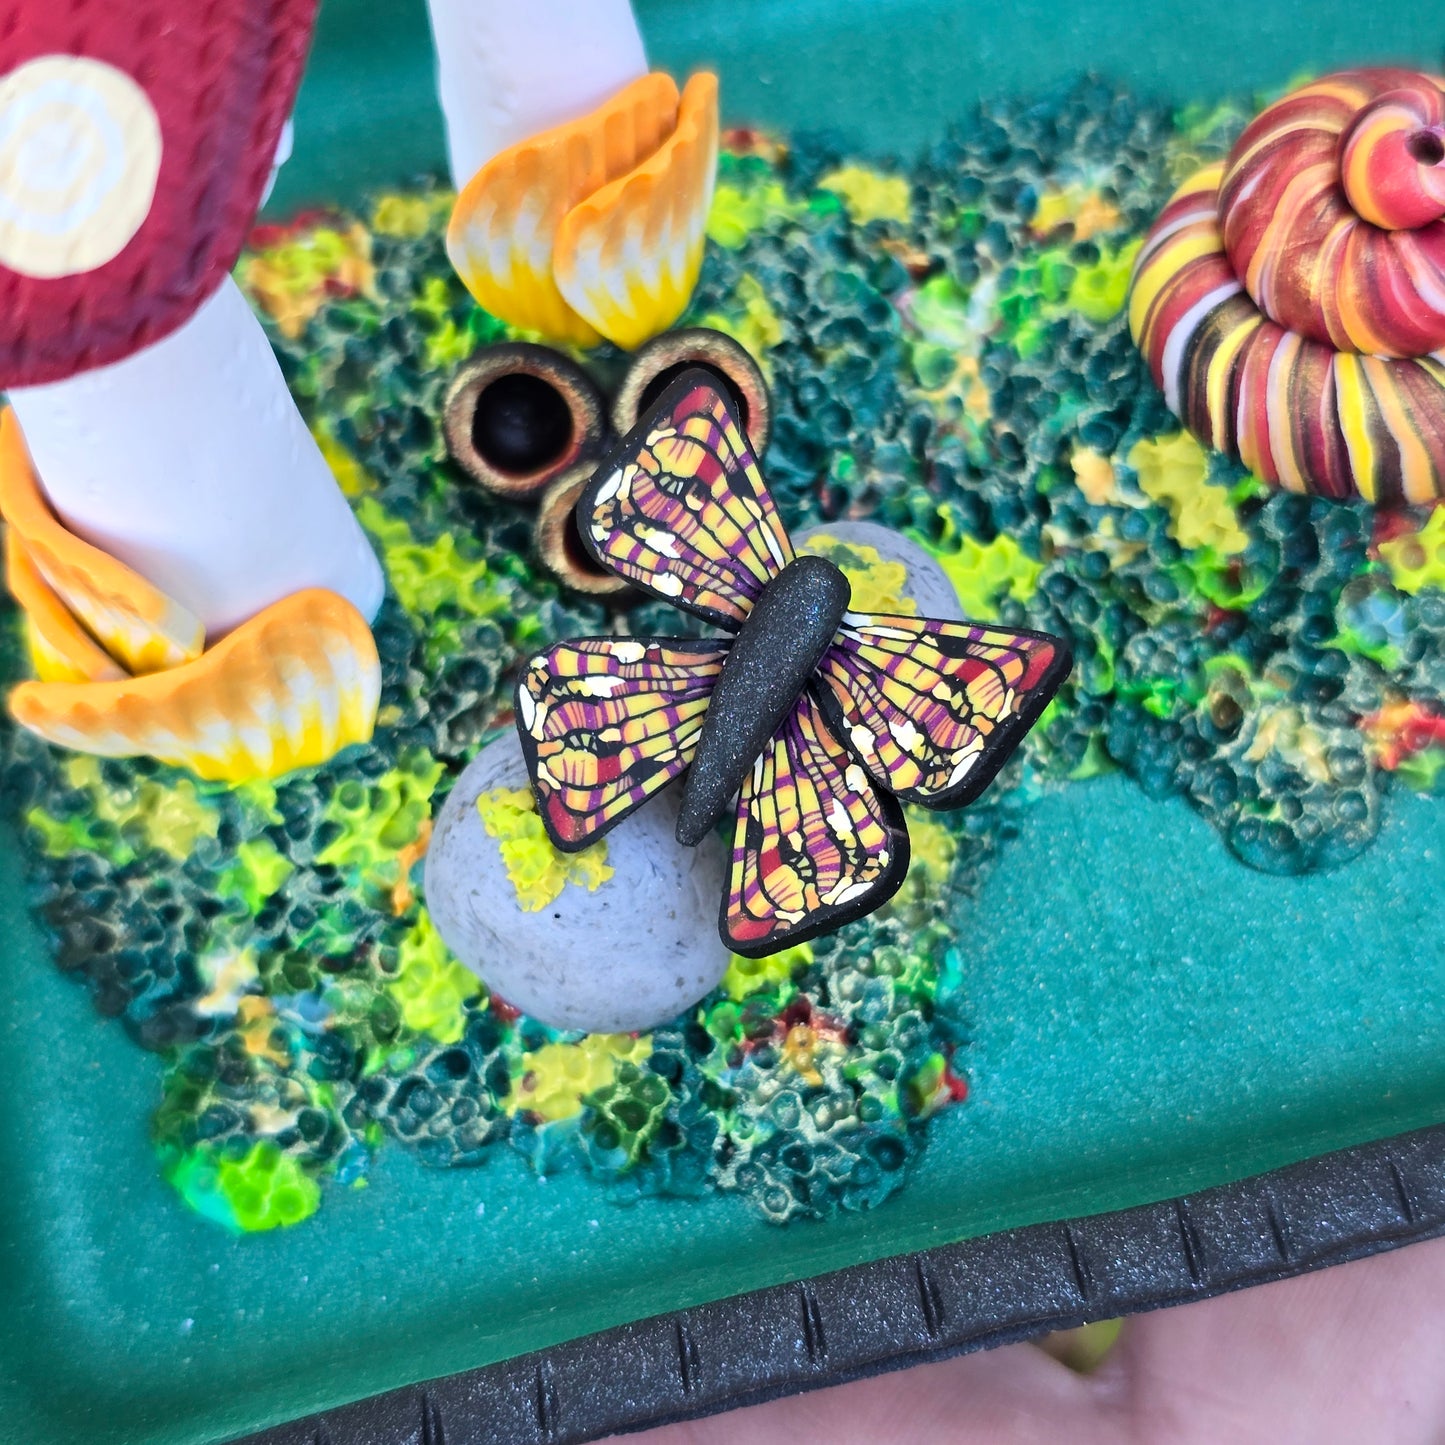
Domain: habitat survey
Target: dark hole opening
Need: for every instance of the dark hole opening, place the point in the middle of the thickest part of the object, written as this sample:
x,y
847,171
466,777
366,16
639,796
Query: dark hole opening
x,y
522,424
1427,147
574,549
454,1064
669,374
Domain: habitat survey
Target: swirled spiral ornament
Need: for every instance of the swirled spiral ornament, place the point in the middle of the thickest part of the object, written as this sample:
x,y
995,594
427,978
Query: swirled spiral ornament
x,y
80,151
1290,301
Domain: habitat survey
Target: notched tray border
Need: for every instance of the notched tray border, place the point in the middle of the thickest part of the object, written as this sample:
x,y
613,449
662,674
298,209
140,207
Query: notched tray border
x,y
903,1311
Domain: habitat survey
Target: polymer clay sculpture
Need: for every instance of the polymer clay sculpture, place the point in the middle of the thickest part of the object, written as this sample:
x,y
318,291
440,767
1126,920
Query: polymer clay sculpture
x,y
595,229
822,719
584,180
940,409
1291,300
162,493
509,72
527,423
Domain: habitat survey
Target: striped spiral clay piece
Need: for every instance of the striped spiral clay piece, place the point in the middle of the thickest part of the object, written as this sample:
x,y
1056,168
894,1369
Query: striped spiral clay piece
x,y
1290,301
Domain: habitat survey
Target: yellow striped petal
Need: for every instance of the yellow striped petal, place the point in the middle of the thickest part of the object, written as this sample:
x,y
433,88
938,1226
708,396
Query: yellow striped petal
x,y
627,257
288,689
136,623
61,650
504,225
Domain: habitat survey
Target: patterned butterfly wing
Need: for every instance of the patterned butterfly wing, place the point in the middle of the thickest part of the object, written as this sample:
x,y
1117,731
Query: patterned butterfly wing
x,y
606,722
933,709
815,845
681,510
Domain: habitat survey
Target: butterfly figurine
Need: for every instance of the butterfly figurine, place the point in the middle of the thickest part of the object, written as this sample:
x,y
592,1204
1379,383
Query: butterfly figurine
x,y
818,720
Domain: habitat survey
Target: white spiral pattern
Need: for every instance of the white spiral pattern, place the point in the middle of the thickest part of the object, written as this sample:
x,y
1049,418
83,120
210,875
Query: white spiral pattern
x,y
80,151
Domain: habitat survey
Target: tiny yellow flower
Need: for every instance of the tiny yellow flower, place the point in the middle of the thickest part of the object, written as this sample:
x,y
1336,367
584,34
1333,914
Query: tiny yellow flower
x,y
869,195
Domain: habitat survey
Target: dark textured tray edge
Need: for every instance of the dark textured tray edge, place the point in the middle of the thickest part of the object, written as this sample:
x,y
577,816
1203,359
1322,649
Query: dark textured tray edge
x,y
902,1311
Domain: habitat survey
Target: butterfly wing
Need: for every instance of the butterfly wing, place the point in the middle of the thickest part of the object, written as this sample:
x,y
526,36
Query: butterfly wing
x,y
933,709
681,510
606,722
815,845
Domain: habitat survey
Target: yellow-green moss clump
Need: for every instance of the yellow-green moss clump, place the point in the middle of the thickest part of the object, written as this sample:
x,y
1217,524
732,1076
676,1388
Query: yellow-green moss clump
x,y
740,209
983,574
428,576
869,195
122,823
932,849
538,871
256,874
1417,559
383,827
353,478
556,1078
751,321
431,987
263,1189
878,585
750,975
1174,472
411,216
1098,292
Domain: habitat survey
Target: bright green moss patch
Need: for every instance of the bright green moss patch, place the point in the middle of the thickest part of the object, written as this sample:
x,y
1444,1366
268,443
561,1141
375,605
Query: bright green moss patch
x,y
1174,471
258,872
1416,559
747,975
430,986
983,574
263,1189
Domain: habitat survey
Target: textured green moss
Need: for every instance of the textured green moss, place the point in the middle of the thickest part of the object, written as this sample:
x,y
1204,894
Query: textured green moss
x,y
261,1189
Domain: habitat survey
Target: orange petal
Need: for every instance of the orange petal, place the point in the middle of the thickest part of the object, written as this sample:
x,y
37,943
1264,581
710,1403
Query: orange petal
x,y
135,622
287,689
628,256
505,221
61,650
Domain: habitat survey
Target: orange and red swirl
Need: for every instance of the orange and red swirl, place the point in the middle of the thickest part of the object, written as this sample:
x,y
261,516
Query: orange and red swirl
x,y
1290,301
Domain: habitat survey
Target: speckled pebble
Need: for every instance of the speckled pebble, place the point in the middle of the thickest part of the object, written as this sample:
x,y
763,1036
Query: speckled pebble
x,y
630,955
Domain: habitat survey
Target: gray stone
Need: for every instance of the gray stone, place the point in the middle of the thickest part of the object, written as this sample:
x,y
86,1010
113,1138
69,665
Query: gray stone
x,y
927,584
631,955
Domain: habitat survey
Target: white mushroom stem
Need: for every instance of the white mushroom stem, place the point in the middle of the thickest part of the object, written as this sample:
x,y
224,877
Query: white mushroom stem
x,y
189,462
507,69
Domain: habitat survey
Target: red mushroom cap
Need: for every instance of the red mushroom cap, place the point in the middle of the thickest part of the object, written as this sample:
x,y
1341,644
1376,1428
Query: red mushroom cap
x,y
213,81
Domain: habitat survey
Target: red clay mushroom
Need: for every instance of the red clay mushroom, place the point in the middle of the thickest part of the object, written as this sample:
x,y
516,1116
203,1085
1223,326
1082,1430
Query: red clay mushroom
x,y
135,144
